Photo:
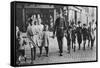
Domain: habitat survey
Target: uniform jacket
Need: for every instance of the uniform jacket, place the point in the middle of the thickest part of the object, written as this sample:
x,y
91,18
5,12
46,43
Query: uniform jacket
x,y
59,26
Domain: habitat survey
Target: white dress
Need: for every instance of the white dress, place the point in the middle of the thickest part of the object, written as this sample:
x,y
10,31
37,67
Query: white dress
x,y
40,34
34,34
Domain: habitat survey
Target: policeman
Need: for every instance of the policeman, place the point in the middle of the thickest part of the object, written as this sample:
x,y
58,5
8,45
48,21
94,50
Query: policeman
x,y
84,34
59,28
79,34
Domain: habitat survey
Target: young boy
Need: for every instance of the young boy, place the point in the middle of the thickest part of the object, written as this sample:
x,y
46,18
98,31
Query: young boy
x,y
68,37
79,34
73,36
84,34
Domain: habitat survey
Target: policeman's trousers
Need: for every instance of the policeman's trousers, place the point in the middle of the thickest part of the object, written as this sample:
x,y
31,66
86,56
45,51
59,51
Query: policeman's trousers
x,y
60,43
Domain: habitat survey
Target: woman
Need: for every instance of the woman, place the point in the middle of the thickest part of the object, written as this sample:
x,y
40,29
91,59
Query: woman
x,y
40,33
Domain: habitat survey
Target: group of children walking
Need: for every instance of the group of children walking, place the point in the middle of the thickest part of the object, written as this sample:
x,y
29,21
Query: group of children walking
x,y
36,35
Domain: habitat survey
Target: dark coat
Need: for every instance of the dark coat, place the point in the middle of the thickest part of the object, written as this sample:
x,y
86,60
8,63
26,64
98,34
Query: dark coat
x,y
84,33
59,27
68,38
73,36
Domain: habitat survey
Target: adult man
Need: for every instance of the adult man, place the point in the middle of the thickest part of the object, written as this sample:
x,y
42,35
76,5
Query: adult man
x,y
59,28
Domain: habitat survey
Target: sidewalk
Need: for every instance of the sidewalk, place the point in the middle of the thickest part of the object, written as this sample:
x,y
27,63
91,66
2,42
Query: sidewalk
x,y
79,55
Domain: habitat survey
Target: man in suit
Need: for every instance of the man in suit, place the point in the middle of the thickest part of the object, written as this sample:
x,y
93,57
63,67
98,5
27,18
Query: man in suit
x,y
59,28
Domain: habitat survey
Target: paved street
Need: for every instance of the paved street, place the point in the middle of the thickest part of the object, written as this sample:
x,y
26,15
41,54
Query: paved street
x,y
79,55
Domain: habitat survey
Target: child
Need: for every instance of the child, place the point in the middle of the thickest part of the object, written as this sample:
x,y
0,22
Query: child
x,y
68,37
73,36
84,34
22,51
33,52
79,34
45,41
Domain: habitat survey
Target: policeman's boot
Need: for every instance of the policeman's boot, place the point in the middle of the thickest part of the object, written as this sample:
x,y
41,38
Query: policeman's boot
x,y
60,52
47,50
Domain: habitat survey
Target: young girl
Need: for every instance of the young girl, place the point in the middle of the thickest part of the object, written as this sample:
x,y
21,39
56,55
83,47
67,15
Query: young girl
x,y
44,40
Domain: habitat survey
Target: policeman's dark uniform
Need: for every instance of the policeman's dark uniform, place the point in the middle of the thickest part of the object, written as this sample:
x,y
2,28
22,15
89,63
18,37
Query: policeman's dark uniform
x,y
79,34
59,27
84,34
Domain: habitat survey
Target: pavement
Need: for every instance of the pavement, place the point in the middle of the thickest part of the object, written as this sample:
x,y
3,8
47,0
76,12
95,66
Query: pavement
x,y
77,56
